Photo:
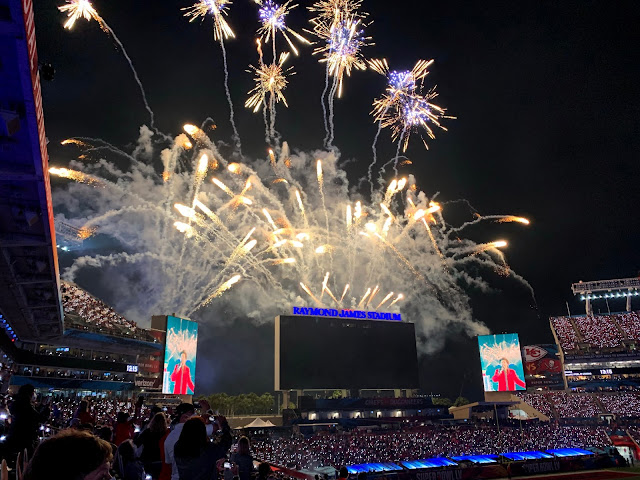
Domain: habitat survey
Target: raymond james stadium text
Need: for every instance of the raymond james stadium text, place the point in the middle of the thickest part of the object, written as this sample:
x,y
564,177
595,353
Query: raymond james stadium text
x,y
345,313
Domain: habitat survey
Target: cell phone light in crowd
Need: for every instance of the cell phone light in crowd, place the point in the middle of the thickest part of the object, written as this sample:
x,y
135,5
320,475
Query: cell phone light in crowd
x,y
227,465
136,429
3,438
42,428
147,477
3,416
47,430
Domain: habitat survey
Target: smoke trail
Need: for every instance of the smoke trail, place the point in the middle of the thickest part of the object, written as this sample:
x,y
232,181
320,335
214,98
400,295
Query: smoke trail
x,y
331,100
236,135
324,108
135,74
375,157
395,158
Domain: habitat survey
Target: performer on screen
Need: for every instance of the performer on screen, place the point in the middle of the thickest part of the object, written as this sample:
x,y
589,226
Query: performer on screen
x,y
507,378
182,376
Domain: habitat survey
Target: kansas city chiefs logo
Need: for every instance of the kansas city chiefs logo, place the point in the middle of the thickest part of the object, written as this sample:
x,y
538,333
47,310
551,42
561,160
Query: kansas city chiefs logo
x,y
533,353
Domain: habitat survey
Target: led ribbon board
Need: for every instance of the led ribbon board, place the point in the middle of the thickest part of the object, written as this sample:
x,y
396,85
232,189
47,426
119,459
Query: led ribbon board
x,y
346,313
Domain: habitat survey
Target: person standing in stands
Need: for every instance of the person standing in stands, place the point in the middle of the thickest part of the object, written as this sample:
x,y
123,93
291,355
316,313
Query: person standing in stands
x,y
84,415
149,440
182,376
26,419
242,459
344,473
124,428
183,413
195,457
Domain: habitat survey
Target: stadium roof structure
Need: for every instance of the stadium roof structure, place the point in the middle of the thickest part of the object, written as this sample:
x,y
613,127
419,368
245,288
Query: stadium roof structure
x,y
29,276
605,289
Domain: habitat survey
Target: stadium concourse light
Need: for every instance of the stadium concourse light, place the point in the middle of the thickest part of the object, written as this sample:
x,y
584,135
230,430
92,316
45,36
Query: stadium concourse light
x,y
616,288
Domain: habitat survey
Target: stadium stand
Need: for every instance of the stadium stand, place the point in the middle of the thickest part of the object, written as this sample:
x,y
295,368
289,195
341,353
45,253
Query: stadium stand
x,y
538,401
630,323
598,331
356,447
85,312
565,332
623,404
574,405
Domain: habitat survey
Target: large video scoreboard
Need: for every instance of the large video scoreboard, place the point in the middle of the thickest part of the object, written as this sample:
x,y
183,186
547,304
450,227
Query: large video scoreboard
x,y
326,353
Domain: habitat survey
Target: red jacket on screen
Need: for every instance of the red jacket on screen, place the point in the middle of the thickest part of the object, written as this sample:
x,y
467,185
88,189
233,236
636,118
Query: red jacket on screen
x,y
182,378
507,381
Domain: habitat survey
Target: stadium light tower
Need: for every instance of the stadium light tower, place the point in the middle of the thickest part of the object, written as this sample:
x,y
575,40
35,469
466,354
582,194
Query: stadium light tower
x,y
618,288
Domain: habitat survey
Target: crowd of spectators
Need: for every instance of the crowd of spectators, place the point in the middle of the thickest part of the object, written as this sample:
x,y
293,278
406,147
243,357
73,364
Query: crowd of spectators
x,y
623,404
141,441
599,331
537,401
630,324
574,405
569,405
566,333
95,315
120,438
634,432
336,449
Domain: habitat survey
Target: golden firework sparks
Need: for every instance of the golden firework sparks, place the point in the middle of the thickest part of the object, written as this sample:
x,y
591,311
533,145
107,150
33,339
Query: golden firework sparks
x,y
218,10
76,176
270,79
76,9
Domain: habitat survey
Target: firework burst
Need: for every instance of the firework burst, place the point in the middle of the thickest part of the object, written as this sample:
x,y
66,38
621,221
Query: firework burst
x,y
270,79
218,10
405,114
272,18
343,42
333,10
76,9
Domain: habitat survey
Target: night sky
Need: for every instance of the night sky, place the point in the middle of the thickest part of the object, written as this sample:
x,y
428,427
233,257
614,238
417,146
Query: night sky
x,y
547,101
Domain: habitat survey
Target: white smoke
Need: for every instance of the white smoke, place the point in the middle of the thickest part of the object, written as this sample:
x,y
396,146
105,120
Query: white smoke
x,y
156,269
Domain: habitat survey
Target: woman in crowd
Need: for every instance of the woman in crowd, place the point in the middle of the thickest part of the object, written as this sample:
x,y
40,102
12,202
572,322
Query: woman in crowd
x,y
84,415
149,441
194,455
124,429
71,454
242,459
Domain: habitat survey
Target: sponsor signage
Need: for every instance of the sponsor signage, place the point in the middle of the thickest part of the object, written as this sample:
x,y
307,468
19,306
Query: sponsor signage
x,y
542,366
150,365
346,313
148,383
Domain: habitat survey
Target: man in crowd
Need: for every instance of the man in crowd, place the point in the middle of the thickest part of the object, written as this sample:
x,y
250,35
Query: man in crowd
x,y
182,376
26,418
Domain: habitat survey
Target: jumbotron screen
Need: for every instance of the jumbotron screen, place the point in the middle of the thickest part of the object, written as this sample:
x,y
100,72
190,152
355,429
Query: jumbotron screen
x,y
326,353
501,363
180,356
